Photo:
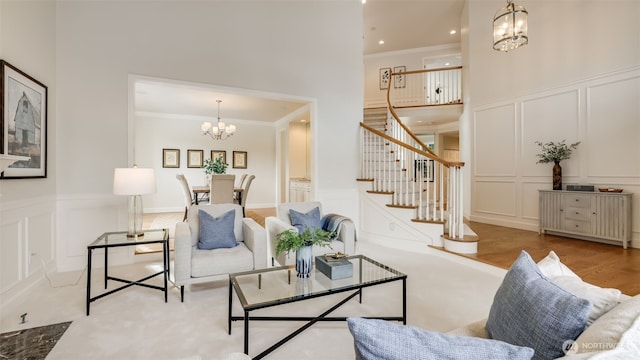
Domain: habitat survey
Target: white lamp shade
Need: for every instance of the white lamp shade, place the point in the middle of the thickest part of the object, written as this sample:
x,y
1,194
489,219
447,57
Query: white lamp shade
x,y
134,181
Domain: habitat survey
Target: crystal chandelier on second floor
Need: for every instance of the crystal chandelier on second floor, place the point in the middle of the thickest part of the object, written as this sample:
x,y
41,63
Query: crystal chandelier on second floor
x,y
221,131
510,27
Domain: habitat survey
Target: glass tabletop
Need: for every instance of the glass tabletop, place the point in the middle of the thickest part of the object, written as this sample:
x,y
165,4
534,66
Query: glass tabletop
x,y
266,287
119,238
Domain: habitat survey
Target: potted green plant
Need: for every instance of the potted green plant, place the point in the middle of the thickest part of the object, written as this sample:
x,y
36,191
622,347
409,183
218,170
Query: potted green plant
x,y
217,166
555,152
302,243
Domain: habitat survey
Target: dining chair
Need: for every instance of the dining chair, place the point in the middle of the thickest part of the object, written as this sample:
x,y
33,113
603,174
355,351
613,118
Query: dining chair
x,y
222,189
242,196
188,199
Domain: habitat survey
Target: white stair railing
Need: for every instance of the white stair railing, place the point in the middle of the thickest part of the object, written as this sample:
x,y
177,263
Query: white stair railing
x,y
414,177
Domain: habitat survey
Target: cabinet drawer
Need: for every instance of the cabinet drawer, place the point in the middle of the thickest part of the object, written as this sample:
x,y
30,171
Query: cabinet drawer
x,y
303,185
577,200
577,213
583,227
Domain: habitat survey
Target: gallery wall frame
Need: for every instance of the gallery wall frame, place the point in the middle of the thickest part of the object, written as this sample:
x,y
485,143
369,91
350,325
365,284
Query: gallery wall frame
x,y
23,122
170,158
399,81
239,159
194,158
219,153
385,76
426,167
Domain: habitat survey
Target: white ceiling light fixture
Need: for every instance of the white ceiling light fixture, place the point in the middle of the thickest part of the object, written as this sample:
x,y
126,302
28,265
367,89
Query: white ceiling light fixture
x,y
452,32
510,27
221,131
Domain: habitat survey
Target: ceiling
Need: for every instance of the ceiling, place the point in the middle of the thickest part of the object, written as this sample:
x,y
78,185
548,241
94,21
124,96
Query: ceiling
x,y
401,24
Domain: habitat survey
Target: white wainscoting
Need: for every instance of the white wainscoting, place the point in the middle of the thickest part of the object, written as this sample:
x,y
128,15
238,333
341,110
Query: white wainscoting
x,y
602,112
27,241
81,219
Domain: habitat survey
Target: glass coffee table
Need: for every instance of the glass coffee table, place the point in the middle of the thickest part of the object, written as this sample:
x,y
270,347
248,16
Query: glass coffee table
x,y
259,289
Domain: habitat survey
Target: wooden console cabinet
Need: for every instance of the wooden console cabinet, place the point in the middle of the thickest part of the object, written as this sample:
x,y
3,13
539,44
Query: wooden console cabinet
x,y
597,216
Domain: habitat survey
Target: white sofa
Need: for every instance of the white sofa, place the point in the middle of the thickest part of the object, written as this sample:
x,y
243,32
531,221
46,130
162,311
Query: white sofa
x,y
540,311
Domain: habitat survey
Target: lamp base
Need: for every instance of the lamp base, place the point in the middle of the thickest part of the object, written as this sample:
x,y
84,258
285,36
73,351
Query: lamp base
x,y
134,228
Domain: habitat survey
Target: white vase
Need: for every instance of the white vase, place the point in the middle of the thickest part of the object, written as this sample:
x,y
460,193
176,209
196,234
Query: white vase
x,y
304,261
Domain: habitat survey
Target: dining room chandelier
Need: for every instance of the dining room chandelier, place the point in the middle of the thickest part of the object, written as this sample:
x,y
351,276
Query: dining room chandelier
x,y
510,27
221,131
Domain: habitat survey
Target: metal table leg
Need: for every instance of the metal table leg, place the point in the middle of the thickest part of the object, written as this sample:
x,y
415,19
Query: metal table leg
x,y
89,280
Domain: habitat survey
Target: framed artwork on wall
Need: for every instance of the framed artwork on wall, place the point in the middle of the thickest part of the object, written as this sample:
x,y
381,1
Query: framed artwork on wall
x,y
219,153
385,76
399,81
194,158
170,158
239,159
23,122
424,169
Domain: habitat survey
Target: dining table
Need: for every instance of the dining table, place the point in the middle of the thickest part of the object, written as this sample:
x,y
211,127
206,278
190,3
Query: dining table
x,y
201,191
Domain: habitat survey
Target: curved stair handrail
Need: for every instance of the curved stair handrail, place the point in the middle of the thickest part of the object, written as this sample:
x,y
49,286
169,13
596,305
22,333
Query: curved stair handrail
x,y
398,163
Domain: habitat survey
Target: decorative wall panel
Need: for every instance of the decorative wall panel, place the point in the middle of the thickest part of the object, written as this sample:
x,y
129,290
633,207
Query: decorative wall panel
x,y
494,141
613,128
550,117
495,197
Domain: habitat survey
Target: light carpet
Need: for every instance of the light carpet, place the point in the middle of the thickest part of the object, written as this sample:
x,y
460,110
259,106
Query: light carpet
x,y
443,292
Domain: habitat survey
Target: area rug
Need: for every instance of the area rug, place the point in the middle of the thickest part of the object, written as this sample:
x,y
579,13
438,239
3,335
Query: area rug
x,y
33,343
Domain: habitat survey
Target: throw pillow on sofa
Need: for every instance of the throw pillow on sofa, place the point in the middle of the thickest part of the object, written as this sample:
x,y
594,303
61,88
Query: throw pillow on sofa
x,y
301,221
383,340
602,299
530,310
216,232
618,328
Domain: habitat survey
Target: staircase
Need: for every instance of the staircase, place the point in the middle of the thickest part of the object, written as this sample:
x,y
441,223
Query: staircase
x,y
403,183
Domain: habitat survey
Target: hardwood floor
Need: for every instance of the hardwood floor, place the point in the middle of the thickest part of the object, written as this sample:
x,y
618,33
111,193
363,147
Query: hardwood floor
x,y
599,264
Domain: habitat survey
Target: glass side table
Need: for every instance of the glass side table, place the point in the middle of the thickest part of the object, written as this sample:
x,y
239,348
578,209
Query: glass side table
x,y
117,239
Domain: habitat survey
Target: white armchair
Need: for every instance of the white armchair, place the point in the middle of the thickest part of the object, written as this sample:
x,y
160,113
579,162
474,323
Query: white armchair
x,y
345,242
193,265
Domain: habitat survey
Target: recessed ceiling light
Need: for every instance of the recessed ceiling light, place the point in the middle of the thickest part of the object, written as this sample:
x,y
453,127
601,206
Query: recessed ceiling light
x,y
364,1
381,42
447,64
452,32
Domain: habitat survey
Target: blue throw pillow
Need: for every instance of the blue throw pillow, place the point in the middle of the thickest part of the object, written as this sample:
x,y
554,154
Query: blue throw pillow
x,y
216,232
379,339
530,310
301,221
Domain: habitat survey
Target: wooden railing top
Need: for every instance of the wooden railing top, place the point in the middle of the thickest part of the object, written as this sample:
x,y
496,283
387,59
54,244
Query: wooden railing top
x,y
428,154
411,134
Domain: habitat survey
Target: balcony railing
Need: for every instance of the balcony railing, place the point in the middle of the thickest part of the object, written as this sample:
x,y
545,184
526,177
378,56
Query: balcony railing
x,y
427,87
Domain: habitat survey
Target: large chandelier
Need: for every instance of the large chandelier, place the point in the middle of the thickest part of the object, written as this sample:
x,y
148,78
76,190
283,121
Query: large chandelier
x,y
510,27
221,131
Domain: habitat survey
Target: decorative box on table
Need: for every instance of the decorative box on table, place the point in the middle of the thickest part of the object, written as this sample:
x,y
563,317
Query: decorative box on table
x,y
334,268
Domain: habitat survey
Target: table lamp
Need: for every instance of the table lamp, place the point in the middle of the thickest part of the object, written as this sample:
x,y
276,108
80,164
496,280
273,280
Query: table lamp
x,y
134,182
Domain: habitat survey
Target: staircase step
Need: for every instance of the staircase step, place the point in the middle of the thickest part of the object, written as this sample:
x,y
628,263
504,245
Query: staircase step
x,y
402,206
380,192
465,238
428,221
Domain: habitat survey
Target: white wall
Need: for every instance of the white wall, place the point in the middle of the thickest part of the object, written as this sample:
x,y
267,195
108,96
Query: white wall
x,y
154,133
85,51
578,79
27,206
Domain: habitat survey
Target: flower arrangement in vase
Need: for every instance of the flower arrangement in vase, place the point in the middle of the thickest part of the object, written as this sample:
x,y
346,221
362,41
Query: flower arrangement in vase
x,y
555,152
